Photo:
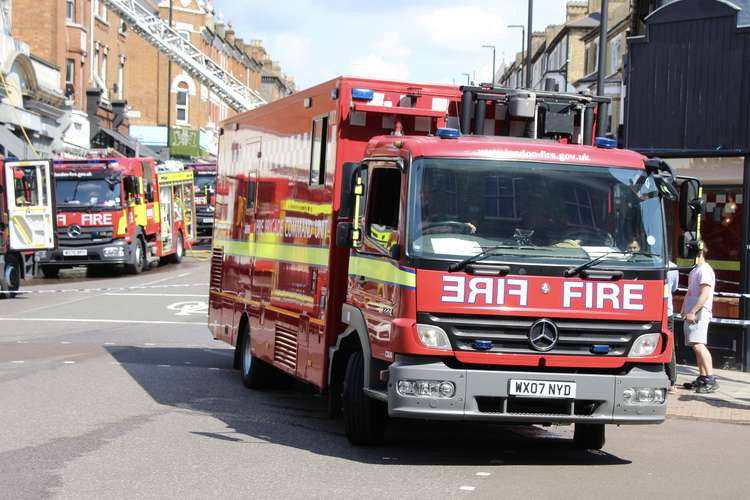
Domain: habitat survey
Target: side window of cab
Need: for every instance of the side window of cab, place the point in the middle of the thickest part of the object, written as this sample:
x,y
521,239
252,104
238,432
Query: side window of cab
x,y
383,208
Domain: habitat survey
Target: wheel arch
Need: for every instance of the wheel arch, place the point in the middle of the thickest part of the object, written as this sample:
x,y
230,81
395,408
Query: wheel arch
x,y
238,345
354,338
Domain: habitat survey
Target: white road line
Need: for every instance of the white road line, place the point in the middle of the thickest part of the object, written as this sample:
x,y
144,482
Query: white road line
x,y
65,342
18,361
116,294
109,343
149,344
164,366
467,488
158,281
210,368
22,341
69,362
125,321
183,275
483,474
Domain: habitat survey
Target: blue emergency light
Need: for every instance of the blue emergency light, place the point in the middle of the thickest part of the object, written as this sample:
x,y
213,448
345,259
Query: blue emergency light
x,y
600,349
606,143
448,133
482,345
363,94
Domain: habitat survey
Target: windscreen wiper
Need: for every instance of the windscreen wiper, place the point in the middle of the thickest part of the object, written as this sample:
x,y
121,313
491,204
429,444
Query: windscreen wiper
x,y
573,271
458,266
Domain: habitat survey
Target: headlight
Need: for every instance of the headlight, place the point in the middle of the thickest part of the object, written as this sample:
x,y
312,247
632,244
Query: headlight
x,y
433,337
114,252
645,345
41,255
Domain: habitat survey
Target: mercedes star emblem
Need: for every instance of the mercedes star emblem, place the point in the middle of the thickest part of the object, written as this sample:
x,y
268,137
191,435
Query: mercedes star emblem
x,y
543,335
545,288
74,231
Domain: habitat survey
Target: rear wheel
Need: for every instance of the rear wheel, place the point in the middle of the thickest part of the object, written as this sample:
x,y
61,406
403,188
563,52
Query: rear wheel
x,y
364,417
139,259
255,373
11,278
50,272
179,253
589,436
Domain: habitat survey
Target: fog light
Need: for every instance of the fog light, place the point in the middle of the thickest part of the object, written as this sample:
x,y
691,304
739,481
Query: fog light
x,y
433,337
645,395
628,395
114,252
426,388
41,255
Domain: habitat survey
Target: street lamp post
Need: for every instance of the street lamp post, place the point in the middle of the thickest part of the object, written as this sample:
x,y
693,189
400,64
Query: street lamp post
x,y
523,38
467,75
492,80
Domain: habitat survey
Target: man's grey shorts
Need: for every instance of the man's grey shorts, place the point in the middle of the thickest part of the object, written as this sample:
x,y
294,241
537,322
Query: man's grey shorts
x,y
697,333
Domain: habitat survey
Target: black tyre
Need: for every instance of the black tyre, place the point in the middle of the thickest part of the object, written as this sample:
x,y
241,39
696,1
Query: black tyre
x,y
179,253
589,436
11,278
364,417
50,272
255,373
139,259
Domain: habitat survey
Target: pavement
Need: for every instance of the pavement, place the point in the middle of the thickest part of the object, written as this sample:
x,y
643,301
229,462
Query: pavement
x,y
730,404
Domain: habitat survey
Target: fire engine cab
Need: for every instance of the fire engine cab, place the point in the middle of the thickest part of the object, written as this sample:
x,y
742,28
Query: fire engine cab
x,y
430,252
205,194
120,211
27,222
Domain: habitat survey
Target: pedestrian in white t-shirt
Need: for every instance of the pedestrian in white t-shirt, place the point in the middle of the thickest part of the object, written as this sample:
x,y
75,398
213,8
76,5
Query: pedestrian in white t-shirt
x,y
696,313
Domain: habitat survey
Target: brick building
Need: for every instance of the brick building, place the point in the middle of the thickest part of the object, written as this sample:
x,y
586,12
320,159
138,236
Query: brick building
x,y
120,80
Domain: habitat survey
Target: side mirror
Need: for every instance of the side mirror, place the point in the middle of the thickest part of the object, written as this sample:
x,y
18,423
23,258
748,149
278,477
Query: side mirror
x,y
346,200
344,235
149,193
689,245
691,204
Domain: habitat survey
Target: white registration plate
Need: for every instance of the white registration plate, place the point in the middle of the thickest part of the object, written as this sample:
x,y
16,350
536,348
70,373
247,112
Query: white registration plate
x,y
542,389
75,252
208,220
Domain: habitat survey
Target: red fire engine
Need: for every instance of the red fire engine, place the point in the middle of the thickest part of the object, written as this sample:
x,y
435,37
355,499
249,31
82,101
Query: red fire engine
x,y
205,195
411,270
27,222
123,211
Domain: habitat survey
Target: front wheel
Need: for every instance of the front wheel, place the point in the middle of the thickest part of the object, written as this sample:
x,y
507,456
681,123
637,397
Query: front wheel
x,y
179,252
364,417
10,278
139,259
589,436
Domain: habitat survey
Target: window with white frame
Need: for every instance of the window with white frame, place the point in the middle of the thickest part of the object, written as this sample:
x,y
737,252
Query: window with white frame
x,y
70,71
182,103
70,10
120,81
591,55
103,73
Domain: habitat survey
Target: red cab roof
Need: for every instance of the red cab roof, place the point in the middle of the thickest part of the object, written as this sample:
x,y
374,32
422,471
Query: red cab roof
x,y
505,148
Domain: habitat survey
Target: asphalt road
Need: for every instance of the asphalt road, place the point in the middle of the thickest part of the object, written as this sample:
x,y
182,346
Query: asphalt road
x,y
123,394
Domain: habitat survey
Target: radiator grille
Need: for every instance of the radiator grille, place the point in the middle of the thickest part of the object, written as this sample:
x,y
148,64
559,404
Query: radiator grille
x,y
511,334
285,347
217,260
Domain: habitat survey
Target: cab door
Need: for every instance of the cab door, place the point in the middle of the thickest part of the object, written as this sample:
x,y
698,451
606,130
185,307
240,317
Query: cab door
x,y
31,205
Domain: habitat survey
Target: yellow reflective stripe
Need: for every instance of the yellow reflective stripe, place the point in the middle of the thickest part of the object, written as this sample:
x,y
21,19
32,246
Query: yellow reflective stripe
x,y
298,254
174,177
141,218
381,270
122,224
718,265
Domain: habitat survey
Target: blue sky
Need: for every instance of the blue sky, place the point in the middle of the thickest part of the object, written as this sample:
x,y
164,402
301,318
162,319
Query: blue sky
x,y
433,41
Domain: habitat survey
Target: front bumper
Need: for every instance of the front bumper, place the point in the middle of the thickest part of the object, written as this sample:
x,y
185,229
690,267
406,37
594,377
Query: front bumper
x,y
483,395
94,255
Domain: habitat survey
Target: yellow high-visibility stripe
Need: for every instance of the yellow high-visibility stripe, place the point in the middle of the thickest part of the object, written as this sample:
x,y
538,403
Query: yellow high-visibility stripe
x,y
20,225
298,254
175,177
307,207
381,270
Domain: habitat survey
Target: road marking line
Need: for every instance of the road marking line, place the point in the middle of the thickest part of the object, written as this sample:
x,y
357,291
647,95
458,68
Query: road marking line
x,y
164,366
149,344
115,294
483,474
188,363
210,368
18,361
89,320
69,362
109,343
22,341
65,342
467,488
184,274
159,281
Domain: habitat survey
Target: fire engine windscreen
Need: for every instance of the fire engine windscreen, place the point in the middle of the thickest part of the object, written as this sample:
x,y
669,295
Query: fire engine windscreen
x,y
535,212
205,183
93,191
